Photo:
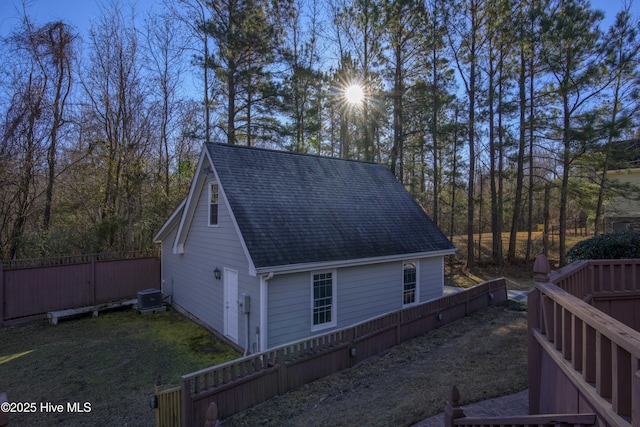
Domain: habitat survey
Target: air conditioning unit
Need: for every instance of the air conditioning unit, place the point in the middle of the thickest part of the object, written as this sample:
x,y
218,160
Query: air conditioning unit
x,y
149,298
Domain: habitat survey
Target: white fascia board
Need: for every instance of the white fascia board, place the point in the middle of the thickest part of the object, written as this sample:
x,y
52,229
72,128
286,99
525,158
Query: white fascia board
x,y
190,206
298,268
170,223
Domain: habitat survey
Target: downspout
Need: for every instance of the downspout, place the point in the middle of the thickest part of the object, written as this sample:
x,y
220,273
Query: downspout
x,y
246,335
262,330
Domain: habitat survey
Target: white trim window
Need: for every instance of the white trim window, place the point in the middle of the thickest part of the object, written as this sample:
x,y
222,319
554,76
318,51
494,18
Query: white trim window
x,y
323,300
213,203
409,283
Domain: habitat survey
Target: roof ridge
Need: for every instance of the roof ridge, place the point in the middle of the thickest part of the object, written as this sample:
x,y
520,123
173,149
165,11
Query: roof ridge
x,y
273,150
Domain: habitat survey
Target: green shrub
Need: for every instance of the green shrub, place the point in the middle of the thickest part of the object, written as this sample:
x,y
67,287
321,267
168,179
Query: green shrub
x,y
621,244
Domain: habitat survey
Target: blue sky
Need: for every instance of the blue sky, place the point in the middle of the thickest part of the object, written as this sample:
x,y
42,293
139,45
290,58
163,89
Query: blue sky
x,y
80,12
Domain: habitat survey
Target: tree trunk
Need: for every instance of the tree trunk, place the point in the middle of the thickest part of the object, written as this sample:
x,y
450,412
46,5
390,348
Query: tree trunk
x,y
517,203
495,232
566,164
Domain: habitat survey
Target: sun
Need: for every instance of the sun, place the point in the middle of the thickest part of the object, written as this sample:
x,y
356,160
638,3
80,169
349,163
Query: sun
x,y
354,94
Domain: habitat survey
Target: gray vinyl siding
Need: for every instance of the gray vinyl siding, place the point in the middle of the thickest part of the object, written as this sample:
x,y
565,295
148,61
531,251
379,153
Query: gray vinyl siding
x,y
364,292
188,277
431,278
289,310
368,291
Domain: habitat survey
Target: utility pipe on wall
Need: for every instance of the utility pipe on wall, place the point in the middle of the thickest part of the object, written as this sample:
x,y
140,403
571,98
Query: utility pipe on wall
x,y
245,303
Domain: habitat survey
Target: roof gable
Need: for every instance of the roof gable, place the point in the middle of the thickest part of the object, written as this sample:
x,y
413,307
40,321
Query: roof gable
x,y
297,209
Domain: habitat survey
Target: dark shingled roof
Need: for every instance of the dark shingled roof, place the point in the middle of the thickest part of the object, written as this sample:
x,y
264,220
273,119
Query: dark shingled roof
x,y
295,208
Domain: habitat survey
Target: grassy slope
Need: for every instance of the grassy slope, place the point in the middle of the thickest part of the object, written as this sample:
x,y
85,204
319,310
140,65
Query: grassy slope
x,y
111,361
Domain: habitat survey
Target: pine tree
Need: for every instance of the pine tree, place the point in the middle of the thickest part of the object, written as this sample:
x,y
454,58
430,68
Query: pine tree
x,y
246,35
573,54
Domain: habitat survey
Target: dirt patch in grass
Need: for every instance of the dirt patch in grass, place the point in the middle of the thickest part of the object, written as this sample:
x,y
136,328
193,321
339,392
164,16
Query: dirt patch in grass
x,y
484,354
110,362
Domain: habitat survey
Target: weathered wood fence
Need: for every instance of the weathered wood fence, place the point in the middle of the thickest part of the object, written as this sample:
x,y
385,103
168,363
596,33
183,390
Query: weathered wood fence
x,y
584,348
30,288
243,383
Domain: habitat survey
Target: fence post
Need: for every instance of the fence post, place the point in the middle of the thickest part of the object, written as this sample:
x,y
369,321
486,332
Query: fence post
x,y
2,295
350,348
453,410
534,369
635,396
211,417
93,279
541,268
187,404
156,391
4,416
282,372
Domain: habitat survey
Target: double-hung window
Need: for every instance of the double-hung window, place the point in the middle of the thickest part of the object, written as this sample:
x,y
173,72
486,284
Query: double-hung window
x,y
409,283
213,203
323,300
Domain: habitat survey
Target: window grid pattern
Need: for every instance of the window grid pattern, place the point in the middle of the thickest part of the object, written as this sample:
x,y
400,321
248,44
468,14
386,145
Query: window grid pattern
x,y
322,298
409,283
213,204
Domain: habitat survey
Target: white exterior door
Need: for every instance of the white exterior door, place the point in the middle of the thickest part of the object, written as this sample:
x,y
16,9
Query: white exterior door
x,y
231,304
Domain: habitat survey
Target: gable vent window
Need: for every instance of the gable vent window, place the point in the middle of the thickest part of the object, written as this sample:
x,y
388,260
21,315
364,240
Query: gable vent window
x,y
323,300
213,203
410,275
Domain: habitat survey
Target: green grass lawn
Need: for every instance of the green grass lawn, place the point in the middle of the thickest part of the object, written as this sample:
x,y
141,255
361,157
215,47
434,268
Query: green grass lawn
x,y
110,362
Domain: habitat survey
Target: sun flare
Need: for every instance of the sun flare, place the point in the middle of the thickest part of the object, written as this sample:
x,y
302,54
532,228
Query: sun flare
x,y
354,94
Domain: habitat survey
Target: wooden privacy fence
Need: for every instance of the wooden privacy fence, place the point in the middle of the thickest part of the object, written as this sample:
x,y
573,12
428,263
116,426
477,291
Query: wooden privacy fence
x,y
31,288
580,358
242,383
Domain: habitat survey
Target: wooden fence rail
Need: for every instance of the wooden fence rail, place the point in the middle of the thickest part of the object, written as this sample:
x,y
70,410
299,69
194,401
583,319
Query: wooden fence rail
x,y
586,278
580,358
239,384
31,288
454,416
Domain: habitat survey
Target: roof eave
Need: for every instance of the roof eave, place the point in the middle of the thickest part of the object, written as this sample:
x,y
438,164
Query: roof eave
x,y
171,223
190,202
312,266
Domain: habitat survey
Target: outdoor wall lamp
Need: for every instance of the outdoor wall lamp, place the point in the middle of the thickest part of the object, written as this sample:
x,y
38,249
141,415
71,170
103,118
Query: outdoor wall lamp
x,y
217,273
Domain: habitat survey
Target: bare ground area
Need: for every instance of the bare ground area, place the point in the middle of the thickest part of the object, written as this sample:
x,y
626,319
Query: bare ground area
x,y
484,354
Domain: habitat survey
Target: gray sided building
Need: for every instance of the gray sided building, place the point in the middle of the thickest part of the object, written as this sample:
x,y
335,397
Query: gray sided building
x,y
272,247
